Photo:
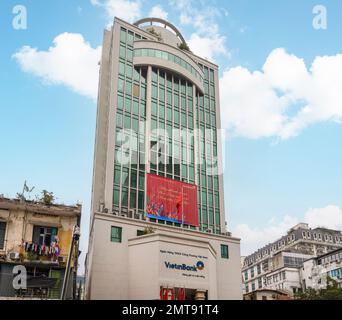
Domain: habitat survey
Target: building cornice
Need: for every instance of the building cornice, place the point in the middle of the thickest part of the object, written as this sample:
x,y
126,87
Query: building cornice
x,y
145,223
39,208
171,238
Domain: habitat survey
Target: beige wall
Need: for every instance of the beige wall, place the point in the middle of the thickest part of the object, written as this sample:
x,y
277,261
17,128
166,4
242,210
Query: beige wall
x,y
133,269
19,226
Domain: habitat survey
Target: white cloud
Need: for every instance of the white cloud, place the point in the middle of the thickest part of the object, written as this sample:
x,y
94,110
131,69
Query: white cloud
x,y
254,238
128,10
70,61
206,41
329,217
283,98
207,47
158,12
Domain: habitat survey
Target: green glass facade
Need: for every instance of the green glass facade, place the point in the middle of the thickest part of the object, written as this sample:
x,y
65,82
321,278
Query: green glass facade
x,y
177,108
129,176
167,56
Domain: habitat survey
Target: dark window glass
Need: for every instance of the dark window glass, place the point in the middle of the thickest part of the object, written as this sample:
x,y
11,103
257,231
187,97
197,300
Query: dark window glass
x,y
140,233
124,197
141,200
133,199
116,234
44,235
133,179
141,180
2,234
116,196
224,251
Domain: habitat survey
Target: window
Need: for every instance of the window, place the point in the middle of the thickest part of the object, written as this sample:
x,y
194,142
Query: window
x,y
140,233
2,234
116,234
259,283
293,262
224,251
44,235
136,90
130,38
123,35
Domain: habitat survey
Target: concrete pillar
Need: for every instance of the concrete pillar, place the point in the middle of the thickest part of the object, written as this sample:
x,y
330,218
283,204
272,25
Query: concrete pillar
x,y
148,128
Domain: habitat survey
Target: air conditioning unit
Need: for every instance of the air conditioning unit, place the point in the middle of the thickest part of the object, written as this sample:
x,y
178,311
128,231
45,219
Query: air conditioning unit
x,y
14,256
130,214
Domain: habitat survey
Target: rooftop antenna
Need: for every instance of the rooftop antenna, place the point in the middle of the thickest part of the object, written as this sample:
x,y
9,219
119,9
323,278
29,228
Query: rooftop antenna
x,y
21,196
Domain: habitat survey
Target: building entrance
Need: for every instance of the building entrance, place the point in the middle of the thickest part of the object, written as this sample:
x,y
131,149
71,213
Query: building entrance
x,y
182,294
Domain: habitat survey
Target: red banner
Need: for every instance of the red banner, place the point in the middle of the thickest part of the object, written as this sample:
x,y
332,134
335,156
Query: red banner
x,y
171,200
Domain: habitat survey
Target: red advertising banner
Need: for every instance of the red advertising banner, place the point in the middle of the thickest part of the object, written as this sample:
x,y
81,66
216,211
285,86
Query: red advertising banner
x,y
171,200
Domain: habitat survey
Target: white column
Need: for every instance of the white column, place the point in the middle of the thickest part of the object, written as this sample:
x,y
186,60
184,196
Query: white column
x,y
148,127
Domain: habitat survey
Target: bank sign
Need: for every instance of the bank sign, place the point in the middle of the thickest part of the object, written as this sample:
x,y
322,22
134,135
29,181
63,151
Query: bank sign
x,y
184,267
181,265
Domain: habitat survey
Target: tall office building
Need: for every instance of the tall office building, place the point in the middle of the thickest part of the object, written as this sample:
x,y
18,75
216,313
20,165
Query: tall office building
x,y
158,223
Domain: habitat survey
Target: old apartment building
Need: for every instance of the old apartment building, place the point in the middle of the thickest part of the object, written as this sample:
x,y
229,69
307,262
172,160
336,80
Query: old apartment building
x,y
277,265
316,272
37,236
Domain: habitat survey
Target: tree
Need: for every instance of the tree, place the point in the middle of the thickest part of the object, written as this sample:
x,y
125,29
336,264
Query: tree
x,y
183,46
47,198
332,292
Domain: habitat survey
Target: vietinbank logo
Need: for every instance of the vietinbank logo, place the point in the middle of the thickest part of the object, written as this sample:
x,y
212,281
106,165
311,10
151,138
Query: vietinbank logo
x,y
185,267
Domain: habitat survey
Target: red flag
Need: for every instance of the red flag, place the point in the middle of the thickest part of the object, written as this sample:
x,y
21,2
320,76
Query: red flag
x,y
173,294
161,293
183,294
166,294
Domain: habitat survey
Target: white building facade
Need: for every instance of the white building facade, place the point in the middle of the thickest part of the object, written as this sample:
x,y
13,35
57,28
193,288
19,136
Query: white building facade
x,y
277,266
167,100
316,271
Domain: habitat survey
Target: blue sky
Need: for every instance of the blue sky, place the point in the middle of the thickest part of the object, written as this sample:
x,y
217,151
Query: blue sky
x,y
282,166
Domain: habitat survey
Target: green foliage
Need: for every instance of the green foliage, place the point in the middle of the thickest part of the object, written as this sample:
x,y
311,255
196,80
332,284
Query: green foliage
x,y
148,230
158,35
47,198
332,292
184,46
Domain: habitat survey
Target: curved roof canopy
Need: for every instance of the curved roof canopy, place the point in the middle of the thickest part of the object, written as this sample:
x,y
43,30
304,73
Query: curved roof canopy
x,y
165,23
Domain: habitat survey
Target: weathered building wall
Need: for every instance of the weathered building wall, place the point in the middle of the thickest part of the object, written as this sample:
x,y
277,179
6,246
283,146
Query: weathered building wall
x,y
44,254
20,226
